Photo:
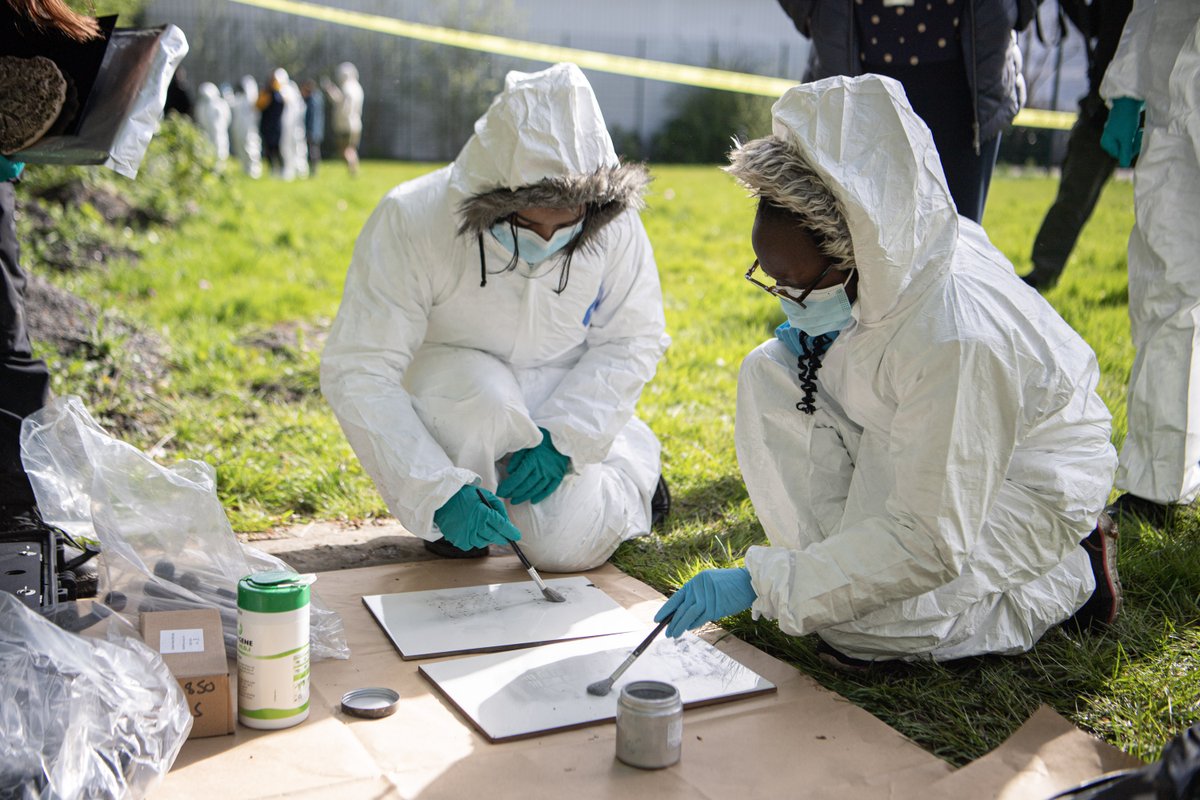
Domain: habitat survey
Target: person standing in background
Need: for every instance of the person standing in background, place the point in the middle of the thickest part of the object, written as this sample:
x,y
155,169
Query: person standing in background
x,y
212,115
957,60
314,122
1157,68
270,122
1086,167
244,139
347,97
292,143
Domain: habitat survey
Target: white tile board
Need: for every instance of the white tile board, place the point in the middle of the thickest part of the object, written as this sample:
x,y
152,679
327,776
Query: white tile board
x,y
497,616
525,693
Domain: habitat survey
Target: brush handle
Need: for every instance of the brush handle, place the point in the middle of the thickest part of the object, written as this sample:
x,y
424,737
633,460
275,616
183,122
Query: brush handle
x,y
524,559
641,648
533,573
637,651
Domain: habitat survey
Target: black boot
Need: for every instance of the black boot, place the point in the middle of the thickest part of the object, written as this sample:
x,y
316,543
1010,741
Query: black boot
x,y
1102,607
1160,515
660,503
443,548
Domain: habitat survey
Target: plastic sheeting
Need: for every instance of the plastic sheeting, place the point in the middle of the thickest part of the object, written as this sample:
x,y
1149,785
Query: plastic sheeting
x,y
165,540
83,716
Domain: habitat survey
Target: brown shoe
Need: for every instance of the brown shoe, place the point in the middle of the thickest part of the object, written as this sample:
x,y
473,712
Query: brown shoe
x,y
1102,607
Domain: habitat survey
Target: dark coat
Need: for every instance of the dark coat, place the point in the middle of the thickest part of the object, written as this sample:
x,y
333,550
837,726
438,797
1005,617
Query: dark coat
x,y
829,25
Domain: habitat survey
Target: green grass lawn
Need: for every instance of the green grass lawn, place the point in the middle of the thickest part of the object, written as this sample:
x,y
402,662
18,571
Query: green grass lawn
x,y
242,294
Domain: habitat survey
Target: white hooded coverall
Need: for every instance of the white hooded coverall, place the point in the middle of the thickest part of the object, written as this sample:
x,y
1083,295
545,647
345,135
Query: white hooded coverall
x,y
1158,60
935,502
212,118
435,378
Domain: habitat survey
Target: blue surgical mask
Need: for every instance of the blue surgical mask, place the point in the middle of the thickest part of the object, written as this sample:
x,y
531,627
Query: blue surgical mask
x,y
533,248
824,310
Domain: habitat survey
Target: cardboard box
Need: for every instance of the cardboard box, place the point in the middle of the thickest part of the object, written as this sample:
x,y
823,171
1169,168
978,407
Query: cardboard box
x,y
193,647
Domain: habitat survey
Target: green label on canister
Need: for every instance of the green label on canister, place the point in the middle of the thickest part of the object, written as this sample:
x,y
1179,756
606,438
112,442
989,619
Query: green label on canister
x,y
273,649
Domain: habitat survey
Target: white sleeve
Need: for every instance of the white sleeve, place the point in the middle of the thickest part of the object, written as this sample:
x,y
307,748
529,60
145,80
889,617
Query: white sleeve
x,y
380,324
626,338
951,441
1124,77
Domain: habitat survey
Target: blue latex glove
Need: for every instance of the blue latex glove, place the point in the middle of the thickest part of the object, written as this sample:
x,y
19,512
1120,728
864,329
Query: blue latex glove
x,y
791,337
535,472
1122,136
10,169
711,595
475,517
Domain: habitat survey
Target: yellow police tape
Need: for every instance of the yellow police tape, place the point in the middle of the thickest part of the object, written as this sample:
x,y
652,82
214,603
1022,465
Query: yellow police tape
x,y
586,59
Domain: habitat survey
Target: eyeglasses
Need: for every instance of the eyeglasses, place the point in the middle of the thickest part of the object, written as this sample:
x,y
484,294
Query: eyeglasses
x,y
784,291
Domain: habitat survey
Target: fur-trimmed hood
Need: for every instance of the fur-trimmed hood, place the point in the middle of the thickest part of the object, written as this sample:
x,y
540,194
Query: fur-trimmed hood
x,y
862,139
543,142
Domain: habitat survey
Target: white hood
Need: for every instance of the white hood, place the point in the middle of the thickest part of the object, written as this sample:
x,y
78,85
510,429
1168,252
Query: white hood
x,y
871,149
542,125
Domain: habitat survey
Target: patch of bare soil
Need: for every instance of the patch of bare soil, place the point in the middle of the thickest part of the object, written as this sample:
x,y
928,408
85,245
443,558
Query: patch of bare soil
x,y
129,361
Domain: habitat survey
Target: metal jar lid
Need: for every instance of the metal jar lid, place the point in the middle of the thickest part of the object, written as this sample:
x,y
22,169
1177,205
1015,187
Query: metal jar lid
x,y
371,702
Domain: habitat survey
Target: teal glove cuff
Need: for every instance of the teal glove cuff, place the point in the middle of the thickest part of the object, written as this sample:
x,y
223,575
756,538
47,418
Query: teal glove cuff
x,y
474,517
9,170
535,472
790,337
709,596
1122,136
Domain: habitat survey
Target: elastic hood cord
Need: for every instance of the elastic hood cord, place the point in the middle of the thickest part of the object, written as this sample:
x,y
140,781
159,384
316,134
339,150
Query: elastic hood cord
x,y
482,263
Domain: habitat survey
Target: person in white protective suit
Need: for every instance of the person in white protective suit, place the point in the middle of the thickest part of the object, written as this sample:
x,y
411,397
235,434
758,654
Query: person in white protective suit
x,y
212,116
500,318
922,442
245,143
347,97
1157,65
293,144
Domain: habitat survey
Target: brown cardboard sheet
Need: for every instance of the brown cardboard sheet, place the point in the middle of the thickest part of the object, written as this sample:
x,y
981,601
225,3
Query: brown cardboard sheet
x,y
1045,756
800,741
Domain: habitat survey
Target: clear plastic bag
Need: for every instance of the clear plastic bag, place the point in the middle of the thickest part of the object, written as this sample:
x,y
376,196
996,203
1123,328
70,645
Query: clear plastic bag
x,y
164,538
91,715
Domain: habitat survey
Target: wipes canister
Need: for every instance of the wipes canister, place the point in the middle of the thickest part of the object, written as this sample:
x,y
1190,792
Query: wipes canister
x,y
272,649
649,724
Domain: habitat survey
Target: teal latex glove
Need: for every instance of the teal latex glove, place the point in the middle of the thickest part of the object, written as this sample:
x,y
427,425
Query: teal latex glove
x,y
1122,136
791,337
535,472
475,517
711,595
10,169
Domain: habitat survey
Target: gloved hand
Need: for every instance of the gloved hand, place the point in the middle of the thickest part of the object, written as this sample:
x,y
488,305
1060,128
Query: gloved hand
x,y
9,169
710,595
1122,136
535,472
790,337
475,517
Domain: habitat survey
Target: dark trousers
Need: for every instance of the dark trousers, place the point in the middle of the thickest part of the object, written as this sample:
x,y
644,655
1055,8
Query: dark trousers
x,y
941,96
24,380
1085,170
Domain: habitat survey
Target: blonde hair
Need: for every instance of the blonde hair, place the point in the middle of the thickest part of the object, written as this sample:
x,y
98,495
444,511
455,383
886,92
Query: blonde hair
x,y
779,175
57,15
